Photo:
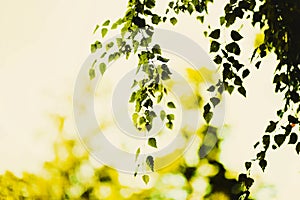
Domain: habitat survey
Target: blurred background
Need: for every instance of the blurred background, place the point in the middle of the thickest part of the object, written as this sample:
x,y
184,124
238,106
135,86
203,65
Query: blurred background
x,y
42,47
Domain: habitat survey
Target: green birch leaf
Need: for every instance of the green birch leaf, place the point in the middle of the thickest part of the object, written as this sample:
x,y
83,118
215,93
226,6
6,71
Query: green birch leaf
x,y
92,73
162,115
152,142
138,151
173,21
171,105
102,68
146,179
96,28
104,32
106,23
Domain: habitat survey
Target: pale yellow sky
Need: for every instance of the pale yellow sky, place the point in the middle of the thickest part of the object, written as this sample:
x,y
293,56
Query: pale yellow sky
x,y
42,47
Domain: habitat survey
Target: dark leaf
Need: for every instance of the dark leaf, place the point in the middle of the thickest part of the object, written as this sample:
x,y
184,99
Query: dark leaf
x,y
214,46
249,182
170,117
293,138
256,144
238,81
211,88
235,35
148,103
150,162
156,49
261,155
242,178
200,18
238,12
169,125
155,19
242,91
230,89
152,142
279,139
165,76
233,48
171,105
292,119
248,165
271,127
218,59
148,126
266,141
208,116
224,53
215,34
162,59
295,96
263,163
246,72
258,64
150,3
190,9
298,148
140,22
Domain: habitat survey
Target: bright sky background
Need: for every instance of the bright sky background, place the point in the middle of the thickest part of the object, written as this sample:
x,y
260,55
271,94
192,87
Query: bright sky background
x,y
42,47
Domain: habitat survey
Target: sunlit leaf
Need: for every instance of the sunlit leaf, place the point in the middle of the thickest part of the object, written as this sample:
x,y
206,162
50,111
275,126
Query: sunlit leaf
x,y
162,115
106,23
96,28
146,179
104,32
173,20
138,151
92,73
102,67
